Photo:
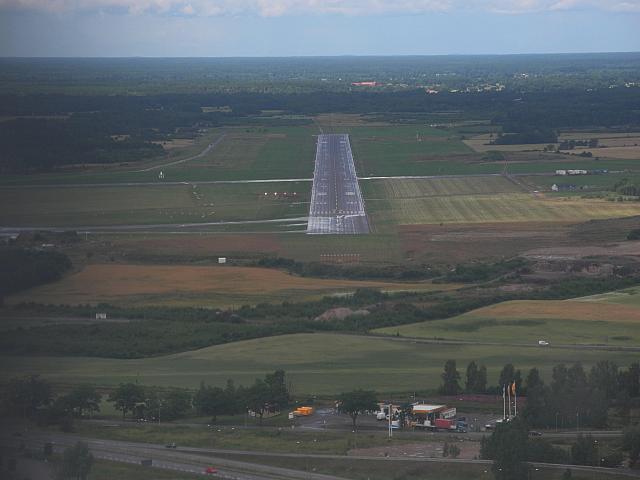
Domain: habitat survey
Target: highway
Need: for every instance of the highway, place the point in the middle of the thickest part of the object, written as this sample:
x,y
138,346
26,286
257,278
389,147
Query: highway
x,y
195,460
337,206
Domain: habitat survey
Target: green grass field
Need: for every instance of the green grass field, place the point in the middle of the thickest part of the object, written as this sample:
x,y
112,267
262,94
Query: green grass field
x,y
478,200
255,153
288,152
628,296
558,322
153,204
401,150
322,364
106,470
284,440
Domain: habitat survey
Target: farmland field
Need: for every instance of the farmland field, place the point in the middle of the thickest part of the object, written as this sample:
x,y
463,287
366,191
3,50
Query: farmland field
x,y
323,364
480,143
194,285
527,321
459,204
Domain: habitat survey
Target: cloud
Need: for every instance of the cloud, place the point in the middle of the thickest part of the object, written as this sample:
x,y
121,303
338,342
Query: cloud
x,y
277,8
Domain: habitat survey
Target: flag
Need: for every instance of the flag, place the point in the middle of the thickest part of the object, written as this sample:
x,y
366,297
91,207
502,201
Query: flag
x,y
513,388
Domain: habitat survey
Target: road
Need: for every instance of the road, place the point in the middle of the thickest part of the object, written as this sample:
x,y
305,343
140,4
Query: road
x,y
191,460
567,346
337,206
141,227
195,460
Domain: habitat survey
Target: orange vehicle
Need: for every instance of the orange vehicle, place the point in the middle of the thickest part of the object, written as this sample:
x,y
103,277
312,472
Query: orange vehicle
x,y
303,411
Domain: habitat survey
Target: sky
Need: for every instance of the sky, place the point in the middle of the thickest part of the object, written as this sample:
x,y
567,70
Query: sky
x,y
228,28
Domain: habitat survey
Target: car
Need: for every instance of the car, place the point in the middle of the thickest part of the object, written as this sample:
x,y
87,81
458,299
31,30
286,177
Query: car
x,y
210,470
171,445
535,434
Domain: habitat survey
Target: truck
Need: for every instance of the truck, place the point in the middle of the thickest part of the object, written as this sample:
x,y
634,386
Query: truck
x,y
447,424
303,411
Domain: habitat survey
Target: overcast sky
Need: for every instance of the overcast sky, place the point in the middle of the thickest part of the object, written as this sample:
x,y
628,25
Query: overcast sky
x,y
315,27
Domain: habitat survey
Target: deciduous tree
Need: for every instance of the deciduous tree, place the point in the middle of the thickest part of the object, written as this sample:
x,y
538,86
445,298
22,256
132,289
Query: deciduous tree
x,y
356,402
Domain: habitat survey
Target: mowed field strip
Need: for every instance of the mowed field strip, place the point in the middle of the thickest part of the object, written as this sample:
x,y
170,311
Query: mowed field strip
x,y
194,285
315,363
482,199
527,321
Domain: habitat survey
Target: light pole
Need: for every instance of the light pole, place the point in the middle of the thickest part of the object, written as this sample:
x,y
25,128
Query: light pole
x,y
557,421
597,450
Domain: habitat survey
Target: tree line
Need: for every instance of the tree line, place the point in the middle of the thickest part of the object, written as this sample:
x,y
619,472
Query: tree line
x,y
122,128
32,397
22,268
511,448
573,398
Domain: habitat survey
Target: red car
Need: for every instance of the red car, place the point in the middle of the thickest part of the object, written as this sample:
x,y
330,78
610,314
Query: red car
x,y
211,470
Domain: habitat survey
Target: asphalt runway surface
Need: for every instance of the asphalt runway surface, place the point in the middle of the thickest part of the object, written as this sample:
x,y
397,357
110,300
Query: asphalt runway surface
x,y
337,206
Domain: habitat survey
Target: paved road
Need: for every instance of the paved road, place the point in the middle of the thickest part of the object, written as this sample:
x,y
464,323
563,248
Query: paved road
x,y
160,227
192,460
337,206
567,346
195,459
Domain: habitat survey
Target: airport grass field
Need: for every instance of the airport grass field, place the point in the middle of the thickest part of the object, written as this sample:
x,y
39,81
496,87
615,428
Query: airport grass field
x,y
317,364
482,200
162,204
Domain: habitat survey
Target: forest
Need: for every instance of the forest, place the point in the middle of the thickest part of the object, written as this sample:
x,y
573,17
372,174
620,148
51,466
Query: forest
x,y
60,112
116,129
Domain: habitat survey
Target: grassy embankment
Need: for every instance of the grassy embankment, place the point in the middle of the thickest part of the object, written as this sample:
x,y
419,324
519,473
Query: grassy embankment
x,y
609,319
322,364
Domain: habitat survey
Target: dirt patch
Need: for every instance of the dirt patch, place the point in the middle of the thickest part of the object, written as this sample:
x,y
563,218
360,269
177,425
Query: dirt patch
x,y
577,252
340,314
450,243
468,450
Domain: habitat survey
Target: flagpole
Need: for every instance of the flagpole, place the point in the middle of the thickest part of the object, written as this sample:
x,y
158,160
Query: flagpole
x,y
509,395
515,397
504,404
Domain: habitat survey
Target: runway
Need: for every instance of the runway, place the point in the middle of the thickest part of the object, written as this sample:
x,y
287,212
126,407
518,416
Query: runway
x,y
337,206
